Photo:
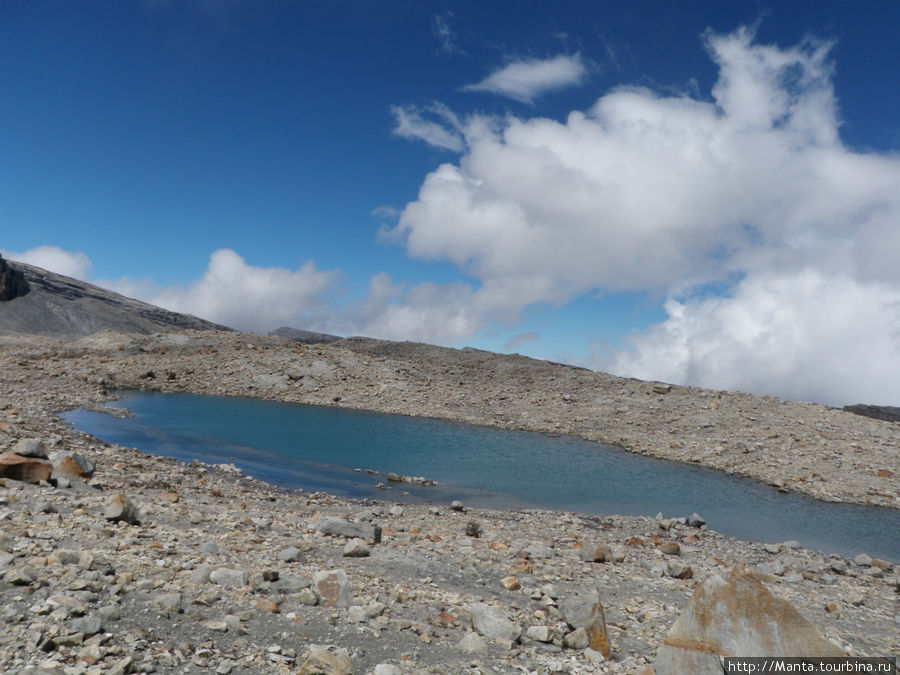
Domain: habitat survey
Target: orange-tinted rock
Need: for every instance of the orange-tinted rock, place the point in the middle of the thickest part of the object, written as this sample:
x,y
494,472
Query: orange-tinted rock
x,y
28,469
736,616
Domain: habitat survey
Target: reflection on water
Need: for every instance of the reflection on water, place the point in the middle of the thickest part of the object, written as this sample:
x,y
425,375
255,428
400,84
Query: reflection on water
x,y
320,448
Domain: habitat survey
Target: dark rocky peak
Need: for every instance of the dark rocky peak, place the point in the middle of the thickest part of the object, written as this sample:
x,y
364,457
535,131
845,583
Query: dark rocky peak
x,y
12,282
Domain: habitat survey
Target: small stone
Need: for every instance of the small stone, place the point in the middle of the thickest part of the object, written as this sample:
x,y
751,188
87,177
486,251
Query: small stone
x,y
386,669
218,626
600,553
586,611
21,576
577,639
333,588
473,644
224,667
863,560
234,623
30,447
396,511
511,583
490,624
121,666
539,633
678,570
355,548
338,527
775,567
307,597
119,508
267,605
326,660
87,625
457,505
670,548
209,547
793,578
833,609
291,554
169,602
71,465
226,576
201,575
695,520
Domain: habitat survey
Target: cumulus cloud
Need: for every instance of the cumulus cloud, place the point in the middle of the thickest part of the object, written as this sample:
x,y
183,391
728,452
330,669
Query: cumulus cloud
x,y
441,131
526,79
805,335
242,296
254,298
54,259
646,191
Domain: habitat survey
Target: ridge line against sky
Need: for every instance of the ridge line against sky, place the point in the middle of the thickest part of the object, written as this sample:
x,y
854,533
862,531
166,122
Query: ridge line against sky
x,y
728,218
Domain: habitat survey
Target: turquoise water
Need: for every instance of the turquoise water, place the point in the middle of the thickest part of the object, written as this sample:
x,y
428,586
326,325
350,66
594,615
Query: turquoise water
x,y
321,448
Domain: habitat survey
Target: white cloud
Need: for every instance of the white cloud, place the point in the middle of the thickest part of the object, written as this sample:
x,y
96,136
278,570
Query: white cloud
x,y
527,79
54,259
519,340
254,298
242,296
669,193
805,335
442,132
445,33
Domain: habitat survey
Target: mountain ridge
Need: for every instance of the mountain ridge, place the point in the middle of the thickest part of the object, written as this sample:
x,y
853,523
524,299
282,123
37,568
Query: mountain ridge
x,y
45,303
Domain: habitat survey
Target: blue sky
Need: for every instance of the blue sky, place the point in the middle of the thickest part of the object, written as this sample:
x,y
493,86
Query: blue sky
x,y
698,192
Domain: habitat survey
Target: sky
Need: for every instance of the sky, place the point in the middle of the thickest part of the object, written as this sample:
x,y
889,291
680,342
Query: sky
x,y
700,192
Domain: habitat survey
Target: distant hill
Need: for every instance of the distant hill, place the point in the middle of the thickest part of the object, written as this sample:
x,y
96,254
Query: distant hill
x,y
887,413
305,336
35,301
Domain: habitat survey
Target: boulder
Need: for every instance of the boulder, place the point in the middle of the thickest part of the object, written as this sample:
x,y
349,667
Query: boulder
x,y
30,447
28,469
736,616
491,625
230,577
594,553
326,660
71,465
586,611
355,548
118,507
338,527
333,588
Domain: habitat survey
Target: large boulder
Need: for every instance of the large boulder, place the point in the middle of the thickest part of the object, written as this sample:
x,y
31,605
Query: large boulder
x,y
28,469
736,616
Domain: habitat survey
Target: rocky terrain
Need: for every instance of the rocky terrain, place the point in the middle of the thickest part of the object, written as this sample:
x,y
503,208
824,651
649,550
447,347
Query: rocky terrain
x,y
115,561
35,301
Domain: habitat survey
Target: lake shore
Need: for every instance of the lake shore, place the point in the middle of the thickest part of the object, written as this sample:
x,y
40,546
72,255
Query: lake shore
x,y
212,578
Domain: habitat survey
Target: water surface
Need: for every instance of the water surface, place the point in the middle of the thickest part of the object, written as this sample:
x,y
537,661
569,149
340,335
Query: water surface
x,y
322,448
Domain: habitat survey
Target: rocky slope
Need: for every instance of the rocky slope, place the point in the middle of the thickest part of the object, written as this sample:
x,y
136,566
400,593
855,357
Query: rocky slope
x,y
35,301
